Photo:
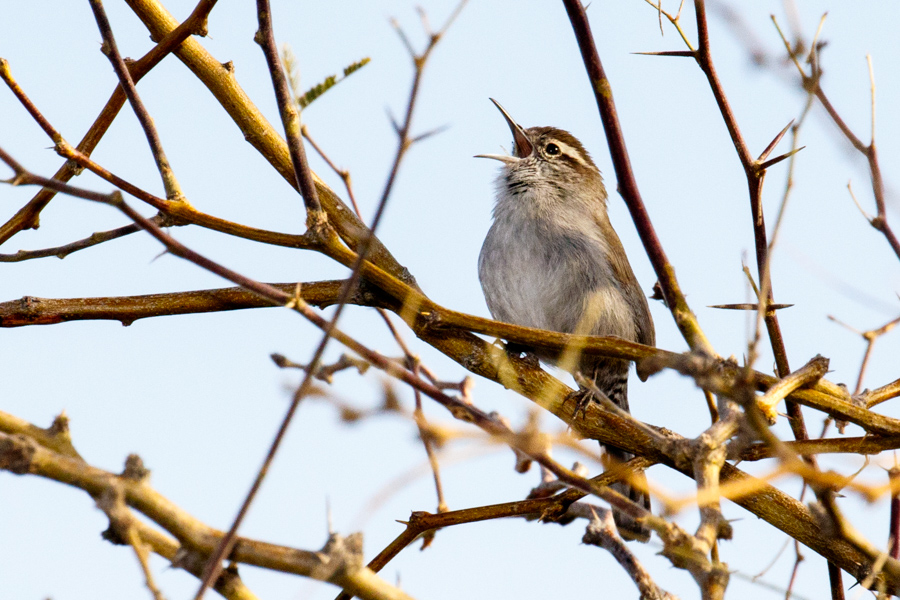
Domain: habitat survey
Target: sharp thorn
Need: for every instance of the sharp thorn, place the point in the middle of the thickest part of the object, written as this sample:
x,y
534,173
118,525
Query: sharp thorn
x,y
749,306
778,159
773,143
680,53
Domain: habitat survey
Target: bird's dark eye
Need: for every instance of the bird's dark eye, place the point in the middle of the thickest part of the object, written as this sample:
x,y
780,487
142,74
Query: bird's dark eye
x,y
551,149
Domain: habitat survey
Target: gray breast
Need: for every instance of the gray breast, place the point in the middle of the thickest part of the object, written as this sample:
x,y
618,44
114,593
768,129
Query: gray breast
x,y
555,279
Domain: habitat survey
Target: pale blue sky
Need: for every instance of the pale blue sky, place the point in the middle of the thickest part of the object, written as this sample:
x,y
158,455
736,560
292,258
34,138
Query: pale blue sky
x,y
198,398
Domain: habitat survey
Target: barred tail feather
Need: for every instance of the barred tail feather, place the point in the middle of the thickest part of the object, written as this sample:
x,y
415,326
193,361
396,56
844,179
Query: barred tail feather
x,y
611,377
629,529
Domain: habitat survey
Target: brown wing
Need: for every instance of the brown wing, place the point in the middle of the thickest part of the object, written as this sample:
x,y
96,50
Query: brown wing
x,y
629,284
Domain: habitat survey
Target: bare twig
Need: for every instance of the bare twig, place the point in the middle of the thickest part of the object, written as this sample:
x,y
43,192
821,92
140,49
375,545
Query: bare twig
x,y
600,84
28,217
344,174
109,48
67,249
835,581
812,81
314,220
602,532
894,531
428,441
870,337
112,502
811,372
290,117
754,170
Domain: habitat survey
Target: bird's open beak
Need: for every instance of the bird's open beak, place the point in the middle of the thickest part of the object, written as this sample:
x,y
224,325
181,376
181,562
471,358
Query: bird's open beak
x,y
523,147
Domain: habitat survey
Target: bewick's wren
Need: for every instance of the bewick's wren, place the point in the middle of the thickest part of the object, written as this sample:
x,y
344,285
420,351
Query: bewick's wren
x,y
552,260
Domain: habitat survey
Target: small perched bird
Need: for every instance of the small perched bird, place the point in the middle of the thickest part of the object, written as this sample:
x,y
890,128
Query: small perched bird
x,y
552,260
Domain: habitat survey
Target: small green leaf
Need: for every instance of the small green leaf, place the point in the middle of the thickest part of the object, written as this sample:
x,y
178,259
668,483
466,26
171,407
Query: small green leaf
x,y
356,66
316,91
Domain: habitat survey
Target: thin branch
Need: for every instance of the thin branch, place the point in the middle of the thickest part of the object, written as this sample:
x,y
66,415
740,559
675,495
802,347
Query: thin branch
x,y
755,173
602,532
835,581
314,219
28,217
552,509
869,337
121,521
812,82
290,116
63,251
684,317
31,310
427,440
220,81
344,174
894,527
109,48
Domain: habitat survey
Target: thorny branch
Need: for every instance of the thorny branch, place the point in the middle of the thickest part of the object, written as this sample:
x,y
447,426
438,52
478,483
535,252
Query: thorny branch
x,y
22,455
315,219
384,283
29,216
755,171
628,188
623,433
812,83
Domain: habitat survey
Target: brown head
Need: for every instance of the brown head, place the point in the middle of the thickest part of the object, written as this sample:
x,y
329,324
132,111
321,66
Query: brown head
x,y
549,161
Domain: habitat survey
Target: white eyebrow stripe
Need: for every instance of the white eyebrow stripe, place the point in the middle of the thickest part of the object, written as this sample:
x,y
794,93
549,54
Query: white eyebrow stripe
x,y
571,151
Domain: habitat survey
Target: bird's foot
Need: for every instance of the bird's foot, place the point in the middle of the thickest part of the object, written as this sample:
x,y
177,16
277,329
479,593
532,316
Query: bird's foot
x,y
583,398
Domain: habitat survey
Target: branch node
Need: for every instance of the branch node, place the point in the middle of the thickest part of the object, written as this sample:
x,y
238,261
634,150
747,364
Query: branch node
x,y
340,556
135,469
16,454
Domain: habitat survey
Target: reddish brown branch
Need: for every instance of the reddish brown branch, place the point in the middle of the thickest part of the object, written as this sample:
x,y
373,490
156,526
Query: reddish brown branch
x,y
812,84
627,184
755,173
111,50
221,82
29,216
290,116
67,249
31,310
